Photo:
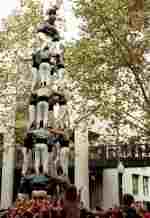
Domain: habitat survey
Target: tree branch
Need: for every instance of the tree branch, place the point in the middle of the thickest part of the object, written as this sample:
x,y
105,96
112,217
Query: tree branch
x,y
132,68
143,127
87,115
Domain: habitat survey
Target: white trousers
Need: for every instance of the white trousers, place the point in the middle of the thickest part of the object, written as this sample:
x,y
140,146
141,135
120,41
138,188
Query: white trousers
x,y
35,78
44,73
51,165
57,159
32,115
41,157
64,160
62,120
59,74
27,160
42,113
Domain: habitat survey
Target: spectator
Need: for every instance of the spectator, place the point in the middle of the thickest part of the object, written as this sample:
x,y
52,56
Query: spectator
x,y
140,209
128,210
71,203
147,213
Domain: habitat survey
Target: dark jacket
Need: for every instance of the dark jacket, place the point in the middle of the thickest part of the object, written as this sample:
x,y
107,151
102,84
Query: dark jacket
x,y
129,212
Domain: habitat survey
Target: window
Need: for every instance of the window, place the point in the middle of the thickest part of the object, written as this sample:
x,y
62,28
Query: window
x,y
146,185
120,184
135,184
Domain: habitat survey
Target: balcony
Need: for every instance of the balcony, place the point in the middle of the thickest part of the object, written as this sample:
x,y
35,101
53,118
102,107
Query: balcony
x,y
107,156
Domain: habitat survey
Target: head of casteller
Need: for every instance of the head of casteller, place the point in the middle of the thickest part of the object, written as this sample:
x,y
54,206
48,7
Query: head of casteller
x,y
52,13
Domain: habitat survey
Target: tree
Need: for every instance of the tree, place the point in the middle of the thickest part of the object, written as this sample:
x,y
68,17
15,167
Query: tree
x,y
16,37
19,27
107,62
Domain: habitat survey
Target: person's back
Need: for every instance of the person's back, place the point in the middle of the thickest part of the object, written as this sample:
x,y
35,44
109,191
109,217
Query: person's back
x,y
129,212
71,207
71,210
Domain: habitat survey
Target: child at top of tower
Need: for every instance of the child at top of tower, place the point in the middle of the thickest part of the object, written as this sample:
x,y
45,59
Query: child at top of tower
x,y
52,11
51,19
48,27
51,15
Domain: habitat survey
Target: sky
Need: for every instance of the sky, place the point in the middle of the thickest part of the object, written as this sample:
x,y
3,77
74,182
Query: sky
x,y
6,7
71,23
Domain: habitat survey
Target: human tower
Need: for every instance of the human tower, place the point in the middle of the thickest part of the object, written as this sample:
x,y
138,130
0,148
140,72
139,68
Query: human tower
x,y
47,140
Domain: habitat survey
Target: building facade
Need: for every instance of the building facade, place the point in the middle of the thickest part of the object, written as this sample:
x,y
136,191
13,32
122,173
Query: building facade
x,y
135,181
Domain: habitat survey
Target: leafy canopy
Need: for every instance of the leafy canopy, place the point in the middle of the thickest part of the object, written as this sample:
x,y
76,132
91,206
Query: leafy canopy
x,y
103,64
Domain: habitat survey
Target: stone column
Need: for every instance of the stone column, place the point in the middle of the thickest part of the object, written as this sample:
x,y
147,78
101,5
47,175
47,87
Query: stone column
x,y
9,147
110,188
81,161
7,174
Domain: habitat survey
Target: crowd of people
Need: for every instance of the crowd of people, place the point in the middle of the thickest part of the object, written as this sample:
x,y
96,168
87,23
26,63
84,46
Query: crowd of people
x,y
129,209
43,206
